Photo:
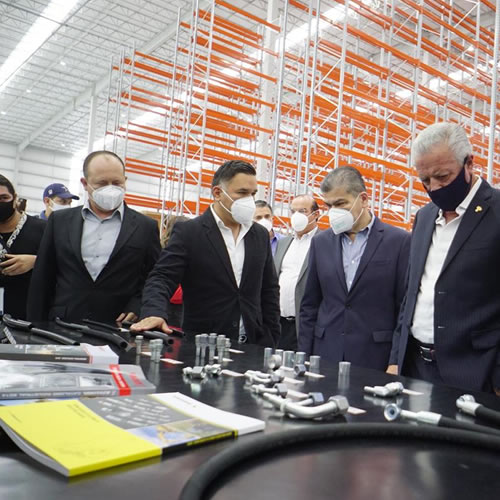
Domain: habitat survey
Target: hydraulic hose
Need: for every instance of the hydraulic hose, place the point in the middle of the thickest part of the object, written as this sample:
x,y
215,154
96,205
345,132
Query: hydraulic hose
x,y
393,412
109,337
213,469
28,327
467,404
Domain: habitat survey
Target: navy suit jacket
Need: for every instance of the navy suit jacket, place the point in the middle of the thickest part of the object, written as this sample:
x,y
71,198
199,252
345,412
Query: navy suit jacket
x,y
197,258
467,295
355,325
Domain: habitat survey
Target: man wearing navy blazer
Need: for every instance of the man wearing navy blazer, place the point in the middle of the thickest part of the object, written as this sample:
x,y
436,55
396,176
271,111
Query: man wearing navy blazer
x,y
449,329
224,264
356,278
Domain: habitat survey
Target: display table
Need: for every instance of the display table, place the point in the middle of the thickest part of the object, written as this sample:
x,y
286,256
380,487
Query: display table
x,y
350,470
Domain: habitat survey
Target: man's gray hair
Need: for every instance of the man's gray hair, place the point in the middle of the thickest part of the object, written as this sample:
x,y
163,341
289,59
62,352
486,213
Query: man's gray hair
x,y
347,177
449,134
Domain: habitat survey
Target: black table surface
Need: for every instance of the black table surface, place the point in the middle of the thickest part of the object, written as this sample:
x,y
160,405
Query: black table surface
x,y
350,470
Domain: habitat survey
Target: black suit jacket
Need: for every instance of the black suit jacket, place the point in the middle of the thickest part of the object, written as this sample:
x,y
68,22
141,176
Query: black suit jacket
x,y
197,258
61,285
467,295
355,325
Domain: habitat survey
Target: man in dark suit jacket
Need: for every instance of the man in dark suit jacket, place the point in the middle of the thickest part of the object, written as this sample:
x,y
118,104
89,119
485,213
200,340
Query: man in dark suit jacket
x,y
449,329
291,260
356,278
224,264
93,260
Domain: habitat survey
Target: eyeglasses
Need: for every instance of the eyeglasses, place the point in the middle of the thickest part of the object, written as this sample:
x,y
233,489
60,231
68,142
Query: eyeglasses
x,y
301,211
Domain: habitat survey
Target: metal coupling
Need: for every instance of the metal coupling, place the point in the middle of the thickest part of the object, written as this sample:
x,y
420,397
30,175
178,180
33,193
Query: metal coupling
x,y
221,347
393,412
300,358
274,362
385,391
213,370
314,363
196,372
278,389
467,404
300,370
336,405
288,359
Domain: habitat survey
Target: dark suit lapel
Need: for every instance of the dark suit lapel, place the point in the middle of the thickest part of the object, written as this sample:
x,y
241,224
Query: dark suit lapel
x,y
374,239
75,235
217,241
250,241
337,258
423,239
471,218
127,229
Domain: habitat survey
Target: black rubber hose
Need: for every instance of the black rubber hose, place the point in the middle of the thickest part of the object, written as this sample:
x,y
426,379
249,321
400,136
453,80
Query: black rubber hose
x,y
149,334
206,475
62,339
451,423
488,414
109,337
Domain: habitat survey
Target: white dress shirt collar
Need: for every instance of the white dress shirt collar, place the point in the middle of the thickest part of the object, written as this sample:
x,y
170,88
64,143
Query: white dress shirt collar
x,y
86,208
306,236
220,223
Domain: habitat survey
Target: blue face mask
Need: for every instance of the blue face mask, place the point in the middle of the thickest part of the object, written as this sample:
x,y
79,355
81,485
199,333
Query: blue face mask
x,y
449,197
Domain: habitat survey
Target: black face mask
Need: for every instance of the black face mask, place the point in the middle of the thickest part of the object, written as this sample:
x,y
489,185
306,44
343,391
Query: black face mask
x,y
6,210
449,197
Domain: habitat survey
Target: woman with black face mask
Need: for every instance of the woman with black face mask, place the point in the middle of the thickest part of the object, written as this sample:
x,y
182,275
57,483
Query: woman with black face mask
x,y
20,236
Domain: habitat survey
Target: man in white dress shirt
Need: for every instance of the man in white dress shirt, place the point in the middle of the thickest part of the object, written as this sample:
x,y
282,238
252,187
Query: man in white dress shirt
x,y
449,330
224,264
291,265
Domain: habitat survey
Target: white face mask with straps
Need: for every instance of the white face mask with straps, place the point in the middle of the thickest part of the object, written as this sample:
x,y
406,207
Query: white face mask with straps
x,y
55,207
242,210
266,223
108,197
342,220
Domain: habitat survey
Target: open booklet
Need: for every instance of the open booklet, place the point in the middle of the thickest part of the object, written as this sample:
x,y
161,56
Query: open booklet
x,y
79,436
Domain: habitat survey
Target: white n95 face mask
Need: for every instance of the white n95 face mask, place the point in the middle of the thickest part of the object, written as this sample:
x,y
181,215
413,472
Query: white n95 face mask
x,y
55,207
299,221
108,197
266,223
242,210
342,220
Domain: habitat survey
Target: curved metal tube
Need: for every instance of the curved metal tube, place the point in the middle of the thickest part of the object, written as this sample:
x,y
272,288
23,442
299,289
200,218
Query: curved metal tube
x,y
336,405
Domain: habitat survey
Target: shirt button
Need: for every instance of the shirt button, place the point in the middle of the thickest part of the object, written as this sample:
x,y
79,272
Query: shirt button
x,y
353,261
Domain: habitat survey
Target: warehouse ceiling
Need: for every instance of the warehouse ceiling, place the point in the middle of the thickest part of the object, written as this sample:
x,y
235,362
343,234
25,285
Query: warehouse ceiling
x,y
45,94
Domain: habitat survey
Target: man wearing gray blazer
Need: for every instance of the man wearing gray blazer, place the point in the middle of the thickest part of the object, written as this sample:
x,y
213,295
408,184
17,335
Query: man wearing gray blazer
x,y
291,258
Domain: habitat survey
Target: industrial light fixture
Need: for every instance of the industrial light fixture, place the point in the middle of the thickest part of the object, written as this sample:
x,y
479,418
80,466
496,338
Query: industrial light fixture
x,y
39,32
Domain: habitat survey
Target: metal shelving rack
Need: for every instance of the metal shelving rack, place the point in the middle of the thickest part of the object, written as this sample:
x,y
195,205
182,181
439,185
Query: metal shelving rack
x,y
312,86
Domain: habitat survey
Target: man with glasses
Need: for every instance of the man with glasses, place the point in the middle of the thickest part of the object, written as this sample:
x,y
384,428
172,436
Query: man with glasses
x,y
291,258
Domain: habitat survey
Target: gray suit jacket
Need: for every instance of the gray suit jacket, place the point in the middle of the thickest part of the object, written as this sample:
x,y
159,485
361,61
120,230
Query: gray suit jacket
x,y
281,250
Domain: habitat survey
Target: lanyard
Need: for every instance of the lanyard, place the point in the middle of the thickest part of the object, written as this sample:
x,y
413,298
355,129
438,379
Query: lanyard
x,y
5,247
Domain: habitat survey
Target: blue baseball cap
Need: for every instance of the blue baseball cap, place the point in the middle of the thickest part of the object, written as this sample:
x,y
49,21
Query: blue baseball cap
x,y
58,190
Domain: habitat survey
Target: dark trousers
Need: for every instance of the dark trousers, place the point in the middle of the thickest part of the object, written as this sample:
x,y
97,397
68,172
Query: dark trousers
x,y
288,337
416,367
